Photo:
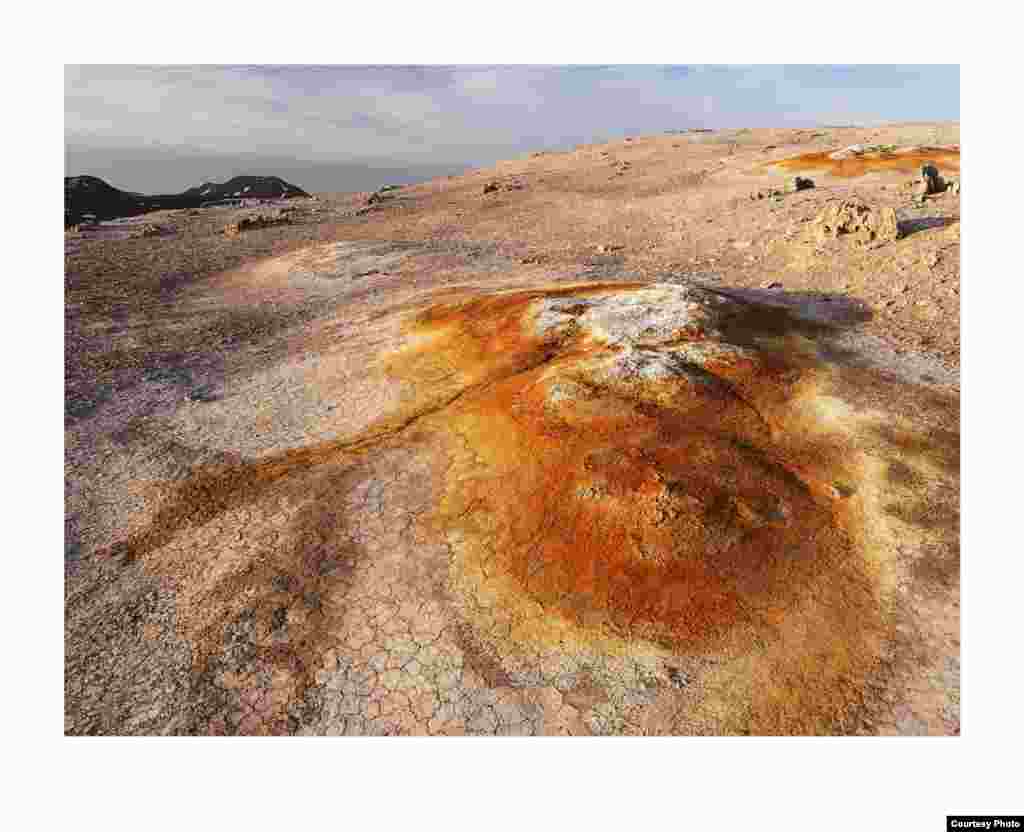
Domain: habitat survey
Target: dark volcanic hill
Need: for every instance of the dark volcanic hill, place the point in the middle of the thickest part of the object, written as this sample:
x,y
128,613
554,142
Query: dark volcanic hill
x,y
89,195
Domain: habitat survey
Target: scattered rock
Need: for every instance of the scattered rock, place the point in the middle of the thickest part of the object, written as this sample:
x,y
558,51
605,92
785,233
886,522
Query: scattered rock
x,y
802,183
203,394
771,284
677,678
953,186
847,152
491,187
857,219
382,194
855,150
254,222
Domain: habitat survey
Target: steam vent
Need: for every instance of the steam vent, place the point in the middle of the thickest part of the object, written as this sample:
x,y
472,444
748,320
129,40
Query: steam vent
x,y
638,508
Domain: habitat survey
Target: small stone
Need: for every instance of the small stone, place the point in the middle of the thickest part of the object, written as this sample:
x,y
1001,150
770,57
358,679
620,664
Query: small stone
x,y
677,678
279,619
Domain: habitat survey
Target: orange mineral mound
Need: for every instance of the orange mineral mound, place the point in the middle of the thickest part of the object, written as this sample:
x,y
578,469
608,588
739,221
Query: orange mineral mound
x,y
629,467
907,160
644,465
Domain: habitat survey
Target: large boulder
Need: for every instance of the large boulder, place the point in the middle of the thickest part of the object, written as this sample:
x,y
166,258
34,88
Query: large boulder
x,y
931,181
856,219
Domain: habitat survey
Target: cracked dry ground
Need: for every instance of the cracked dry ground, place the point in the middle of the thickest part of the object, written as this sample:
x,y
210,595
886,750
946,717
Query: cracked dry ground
x,y
464,495
582,508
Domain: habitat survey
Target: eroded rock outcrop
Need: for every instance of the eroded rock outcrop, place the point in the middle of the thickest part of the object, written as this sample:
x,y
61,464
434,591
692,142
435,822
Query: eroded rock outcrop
x,y
256,221
854,218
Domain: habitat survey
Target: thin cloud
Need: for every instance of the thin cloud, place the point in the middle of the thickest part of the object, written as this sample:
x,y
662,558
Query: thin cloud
x,y
463,115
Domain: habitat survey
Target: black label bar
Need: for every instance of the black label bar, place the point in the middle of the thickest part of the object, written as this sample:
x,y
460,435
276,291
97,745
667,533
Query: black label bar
x,y
991,823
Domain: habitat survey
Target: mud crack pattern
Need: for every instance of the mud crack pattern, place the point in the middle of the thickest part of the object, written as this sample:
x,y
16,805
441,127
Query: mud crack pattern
x,y
623,508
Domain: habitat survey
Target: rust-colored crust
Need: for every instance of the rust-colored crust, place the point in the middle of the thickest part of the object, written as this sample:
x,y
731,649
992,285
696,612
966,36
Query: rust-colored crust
x,y
910,162
703,519
708,518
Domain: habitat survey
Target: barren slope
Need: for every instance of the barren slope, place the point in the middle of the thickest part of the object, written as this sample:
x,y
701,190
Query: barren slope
x,y
544,460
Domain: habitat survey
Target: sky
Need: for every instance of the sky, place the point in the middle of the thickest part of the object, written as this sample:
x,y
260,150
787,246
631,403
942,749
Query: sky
x,y
162,129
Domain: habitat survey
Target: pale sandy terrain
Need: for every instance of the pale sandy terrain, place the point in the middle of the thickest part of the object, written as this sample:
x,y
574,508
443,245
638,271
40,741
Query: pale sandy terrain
x,y
546,460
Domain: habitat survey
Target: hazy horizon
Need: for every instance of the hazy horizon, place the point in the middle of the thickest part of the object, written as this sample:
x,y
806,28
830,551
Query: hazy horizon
x,y
352,128
154,172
